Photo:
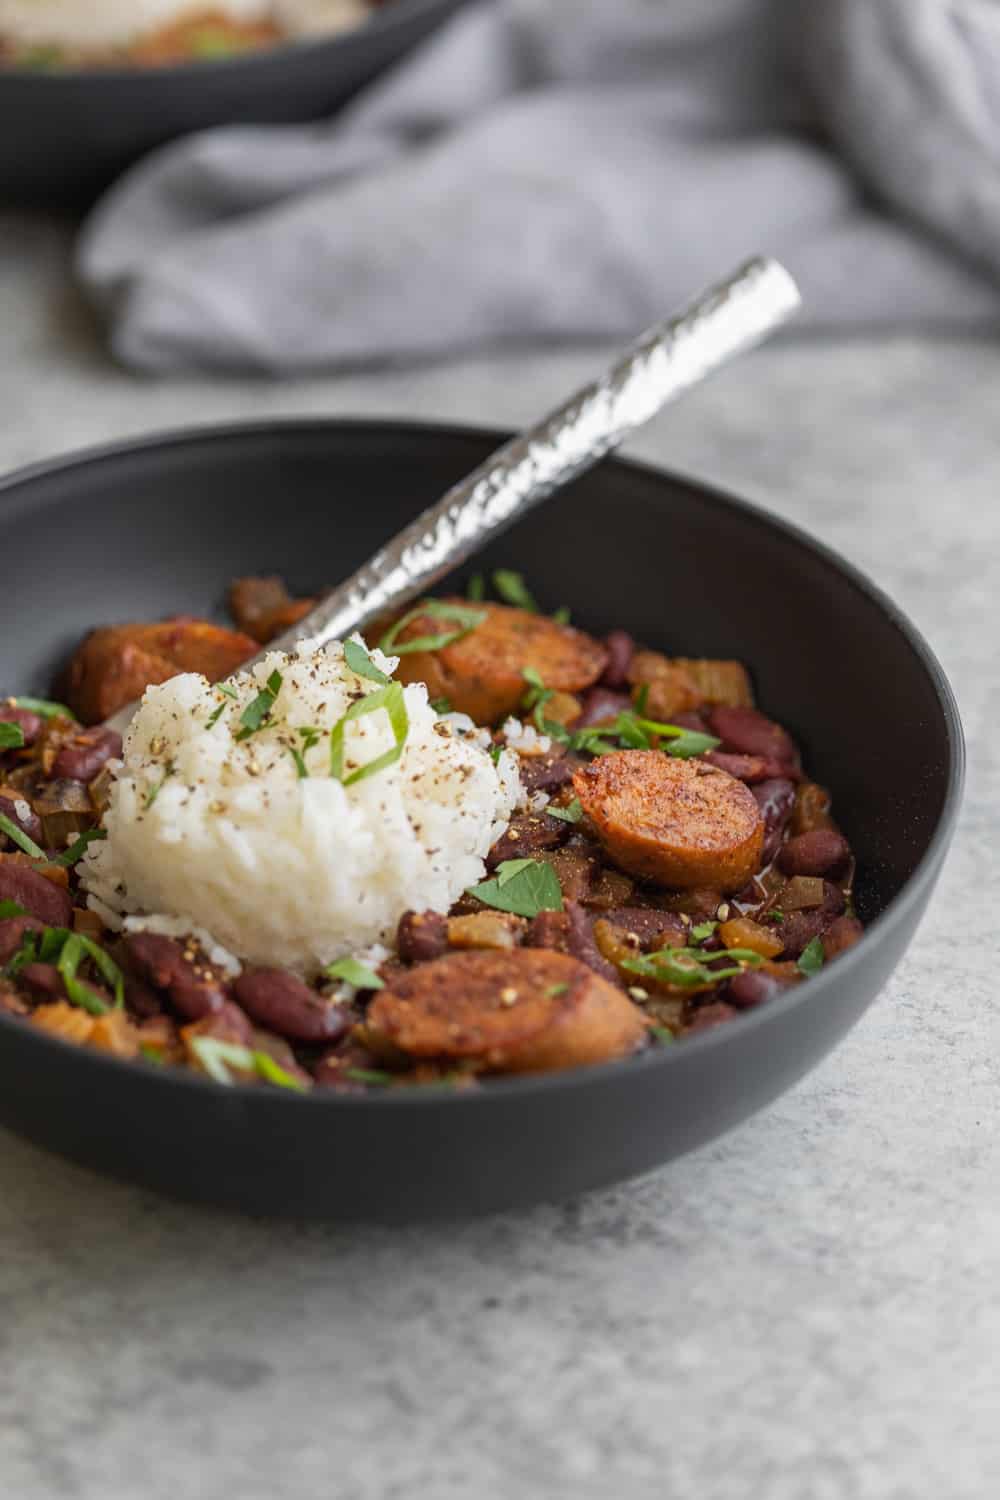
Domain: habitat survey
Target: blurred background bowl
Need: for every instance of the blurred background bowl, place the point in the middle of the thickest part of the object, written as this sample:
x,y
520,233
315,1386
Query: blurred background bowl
x,y
66,134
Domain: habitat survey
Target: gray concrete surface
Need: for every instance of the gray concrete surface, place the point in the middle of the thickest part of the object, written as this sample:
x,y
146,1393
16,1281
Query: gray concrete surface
x,y
807,1310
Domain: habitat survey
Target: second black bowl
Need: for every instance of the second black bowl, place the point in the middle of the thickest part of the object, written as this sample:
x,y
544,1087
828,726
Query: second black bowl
x,y
66,134
160,528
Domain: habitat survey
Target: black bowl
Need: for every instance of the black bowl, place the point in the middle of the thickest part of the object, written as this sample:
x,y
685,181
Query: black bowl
x,y
160,527
66,134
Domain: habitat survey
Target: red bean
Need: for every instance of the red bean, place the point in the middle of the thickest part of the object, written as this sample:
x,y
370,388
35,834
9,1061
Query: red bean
x,y
581,943
547,773
800,927
710,1016
40,898
12,930
750,988
279,1001
29,724
421,935
528,834
817,853
82,757
748,732
30,824
141,999
748,768
621,649
600,705
841,935
776,800
43,980
195,989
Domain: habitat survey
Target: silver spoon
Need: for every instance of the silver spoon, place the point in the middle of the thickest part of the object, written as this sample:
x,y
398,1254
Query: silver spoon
x,y
665,361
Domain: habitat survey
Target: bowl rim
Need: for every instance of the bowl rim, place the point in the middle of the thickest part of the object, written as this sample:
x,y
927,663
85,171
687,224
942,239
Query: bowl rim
x,y
382,18
501,1088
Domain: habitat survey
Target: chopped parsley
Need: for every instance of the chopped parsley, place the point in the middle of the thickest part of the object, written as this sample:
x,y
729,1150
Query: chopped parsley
x,y
11,736
360,662
522,886
310,737
703,930
351,972
513,590
812,958
258,711
465,620
392,700
688,967
571,814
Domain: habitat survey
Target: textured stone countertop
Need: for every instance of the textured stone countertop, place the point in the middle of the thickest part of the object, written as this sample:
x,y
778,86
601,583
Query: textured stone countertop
x,y
807,1310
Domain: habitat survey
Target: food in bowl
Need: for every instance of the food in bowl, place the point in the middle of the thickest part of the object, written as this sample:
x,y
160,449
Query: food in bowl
x,y
490,844
150,33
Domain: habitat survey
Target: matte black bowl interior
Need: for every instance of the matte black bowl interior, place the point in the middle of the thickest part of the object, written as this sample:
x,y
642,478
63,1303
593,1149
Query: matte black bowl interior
x,y
66,134
161,527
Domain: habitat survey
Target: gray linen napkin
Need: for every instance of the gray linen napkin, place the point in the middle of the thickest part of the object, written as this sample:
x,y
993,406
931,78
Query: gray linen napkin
x,y
557,169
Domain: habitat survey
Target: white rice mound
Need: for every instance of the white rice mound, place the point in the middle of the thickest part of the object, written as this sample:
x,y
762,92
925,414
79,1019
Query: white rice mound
x,y
222,837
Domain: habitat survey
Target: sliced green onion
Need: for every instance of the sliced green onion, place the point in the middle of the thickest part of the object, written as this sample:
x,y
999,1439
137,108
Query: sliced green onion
x,y
45,708
273,1072
11,736
351,972
465,619
217,1057
20,838
69,856
663,1035
74,950
513,590
367,1075
688,967
360,662
106,967
392,700
561,616
476,588
703,930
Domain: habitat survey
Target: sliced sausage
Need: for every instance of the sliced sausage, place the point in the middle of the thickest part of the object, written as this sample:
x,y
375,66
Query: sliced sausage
x,y
482,673
116,663
529,1011
679,822
669,688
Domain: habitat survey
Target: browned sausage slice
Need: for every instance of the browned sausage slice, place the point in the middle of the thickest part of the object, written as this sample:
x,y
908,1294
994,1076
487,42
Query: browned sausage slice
x,y
528,1011
482,674
116,663
679,822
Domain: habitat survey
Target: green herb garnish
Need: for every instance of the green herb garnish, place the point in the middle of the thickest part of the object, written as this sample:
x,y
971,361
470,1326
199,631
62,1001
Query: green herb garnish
x,y
75,949
11,736
45,708
812,958
155,791
360,662
20,838
152,1054
310,737
535,698
522,886
561,615
495,753
475,589
571,814
703,930
441,705
11,909
512,590
688,967
228,692
663,1035
257,712
217,1057
351,972
554,990
70,856
465,619
636,733
392,700
367,1075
